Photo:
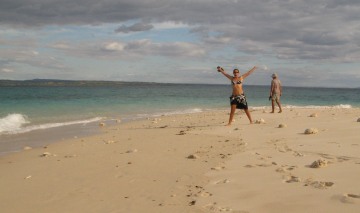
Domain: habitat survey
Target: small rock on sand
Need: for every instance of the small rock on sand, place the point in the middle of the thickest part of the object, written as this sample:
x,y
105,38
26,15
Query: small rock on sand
x,y
193,156
311,131
319,163
260,121
282,125
358,120
314,115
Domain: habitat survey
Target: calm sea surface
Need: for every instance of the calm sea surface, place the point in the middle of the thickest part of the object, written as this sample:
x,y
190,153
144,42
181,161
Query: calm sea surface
x,y
27,107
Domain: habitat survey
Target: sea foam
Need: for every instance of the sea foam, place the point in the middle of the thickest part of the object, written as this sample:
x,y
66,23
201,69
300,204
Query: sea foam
x,y
16,123
12,122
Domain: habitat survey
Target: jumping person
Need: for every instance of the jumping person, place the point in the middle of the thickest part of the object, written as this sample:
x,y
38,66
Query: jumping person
x,y
238,98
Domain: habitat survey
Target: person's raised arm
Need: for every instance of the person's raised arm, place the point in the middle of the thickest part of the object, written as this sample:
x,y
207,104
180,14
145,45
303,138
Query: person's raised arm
x,y
220,69
249,72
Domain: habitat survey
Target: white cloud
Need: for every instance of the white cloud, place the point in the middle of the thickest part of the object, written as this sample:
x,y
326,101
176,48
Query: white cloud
x,y
8,70
114,46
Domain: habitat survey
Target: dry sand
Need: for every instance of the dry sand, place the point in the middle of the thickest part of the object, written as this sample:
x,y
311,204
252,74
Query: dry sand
x,y
194,163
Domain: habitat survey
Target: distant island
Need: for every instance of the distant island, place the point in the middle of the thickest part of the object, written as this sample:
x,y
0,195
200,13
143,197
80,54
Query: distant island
x,y
65,83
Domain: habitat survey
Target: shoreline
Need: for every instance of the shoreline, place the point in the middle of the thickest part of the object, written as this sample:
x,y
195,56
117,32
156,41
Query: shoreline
x,y
191,163
18,141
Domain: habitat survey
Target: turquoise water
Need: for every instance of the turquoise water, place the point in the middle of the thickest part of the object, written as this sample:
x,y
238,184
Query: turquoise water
x,y
25,108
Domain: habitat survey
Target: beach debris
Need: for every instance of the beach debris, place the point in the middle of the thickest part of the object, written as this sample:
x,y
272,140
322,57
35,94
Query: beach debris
x,y
313,115
319,163
193,156
155,120
260,121
182,132
218,168
109,142
132,151
27,148
46,154
191,203
311,131
282,125
358,120
102,124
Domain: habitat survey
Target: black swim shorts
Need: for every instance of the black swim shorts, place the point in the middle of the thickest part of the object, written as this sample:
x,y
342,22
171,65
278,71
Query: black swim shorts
x,y
239,101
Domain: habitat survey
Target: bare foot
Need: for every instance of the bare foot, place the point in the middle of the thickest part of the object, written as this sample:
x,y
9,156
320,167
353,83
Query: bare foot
x,y
280,111
272,112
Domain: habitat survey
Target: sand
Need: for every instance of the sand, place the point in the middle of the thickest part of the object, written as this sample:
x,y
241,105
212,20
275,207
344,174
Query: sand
x,y
194,163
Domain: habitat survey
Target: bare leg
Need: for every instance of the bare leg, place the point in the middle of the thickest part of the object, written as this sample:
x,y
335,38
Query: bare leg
x,y
279,104
232,112
248,115
272,106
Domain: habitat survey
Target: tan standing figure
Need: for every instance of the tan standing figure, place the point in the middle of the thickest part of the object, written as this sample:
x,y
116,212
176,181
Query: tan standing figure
x,y
275,93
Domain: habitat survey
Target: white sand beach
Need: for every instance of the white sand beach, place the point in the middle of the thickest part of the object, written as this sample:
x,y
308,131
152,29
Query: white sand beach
x,y
194,163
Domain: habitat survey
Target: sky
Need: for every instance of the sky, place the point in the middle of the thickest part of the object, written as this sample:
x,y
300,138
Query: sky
x,y
307,43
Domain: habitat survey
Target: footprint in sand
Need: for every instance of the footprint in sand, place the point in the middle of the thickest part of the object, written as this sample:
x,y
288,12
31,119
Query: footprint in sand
x,y
353,195
204,194
222,181
293,179
319,184
343,158
212,207
348,198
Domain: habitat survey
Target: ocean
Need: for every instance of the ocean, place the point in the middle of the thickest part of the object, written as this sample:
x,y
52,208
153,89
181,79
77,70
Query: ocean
x,y
29,108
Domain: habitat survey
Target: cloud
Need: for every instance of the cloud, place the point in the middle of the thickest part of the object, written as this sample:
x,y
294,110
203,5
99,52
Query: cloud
x,y
285,31
249,26
138,27
7,70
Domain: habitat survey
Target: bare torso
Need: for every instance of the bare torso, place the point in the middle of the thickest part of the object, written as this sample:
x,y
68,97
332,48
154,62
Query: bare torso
x,y
237,88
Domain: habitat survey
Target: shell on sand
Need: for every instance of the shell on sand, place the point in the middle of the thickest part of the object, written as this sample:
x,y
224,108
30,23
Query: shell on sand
x,y
260,121
319,163
45,154
132,151
311,131
314,115
282,125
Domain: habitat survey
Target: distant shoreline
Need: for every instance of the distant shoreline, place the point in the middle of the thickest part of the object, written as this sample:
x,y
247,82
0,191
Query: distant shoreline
x,y
62,82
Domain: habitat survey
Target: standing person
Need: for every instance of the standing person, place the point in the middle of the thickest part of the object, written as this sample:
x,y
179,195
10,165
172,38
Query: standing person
x,y
275,92
237,99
